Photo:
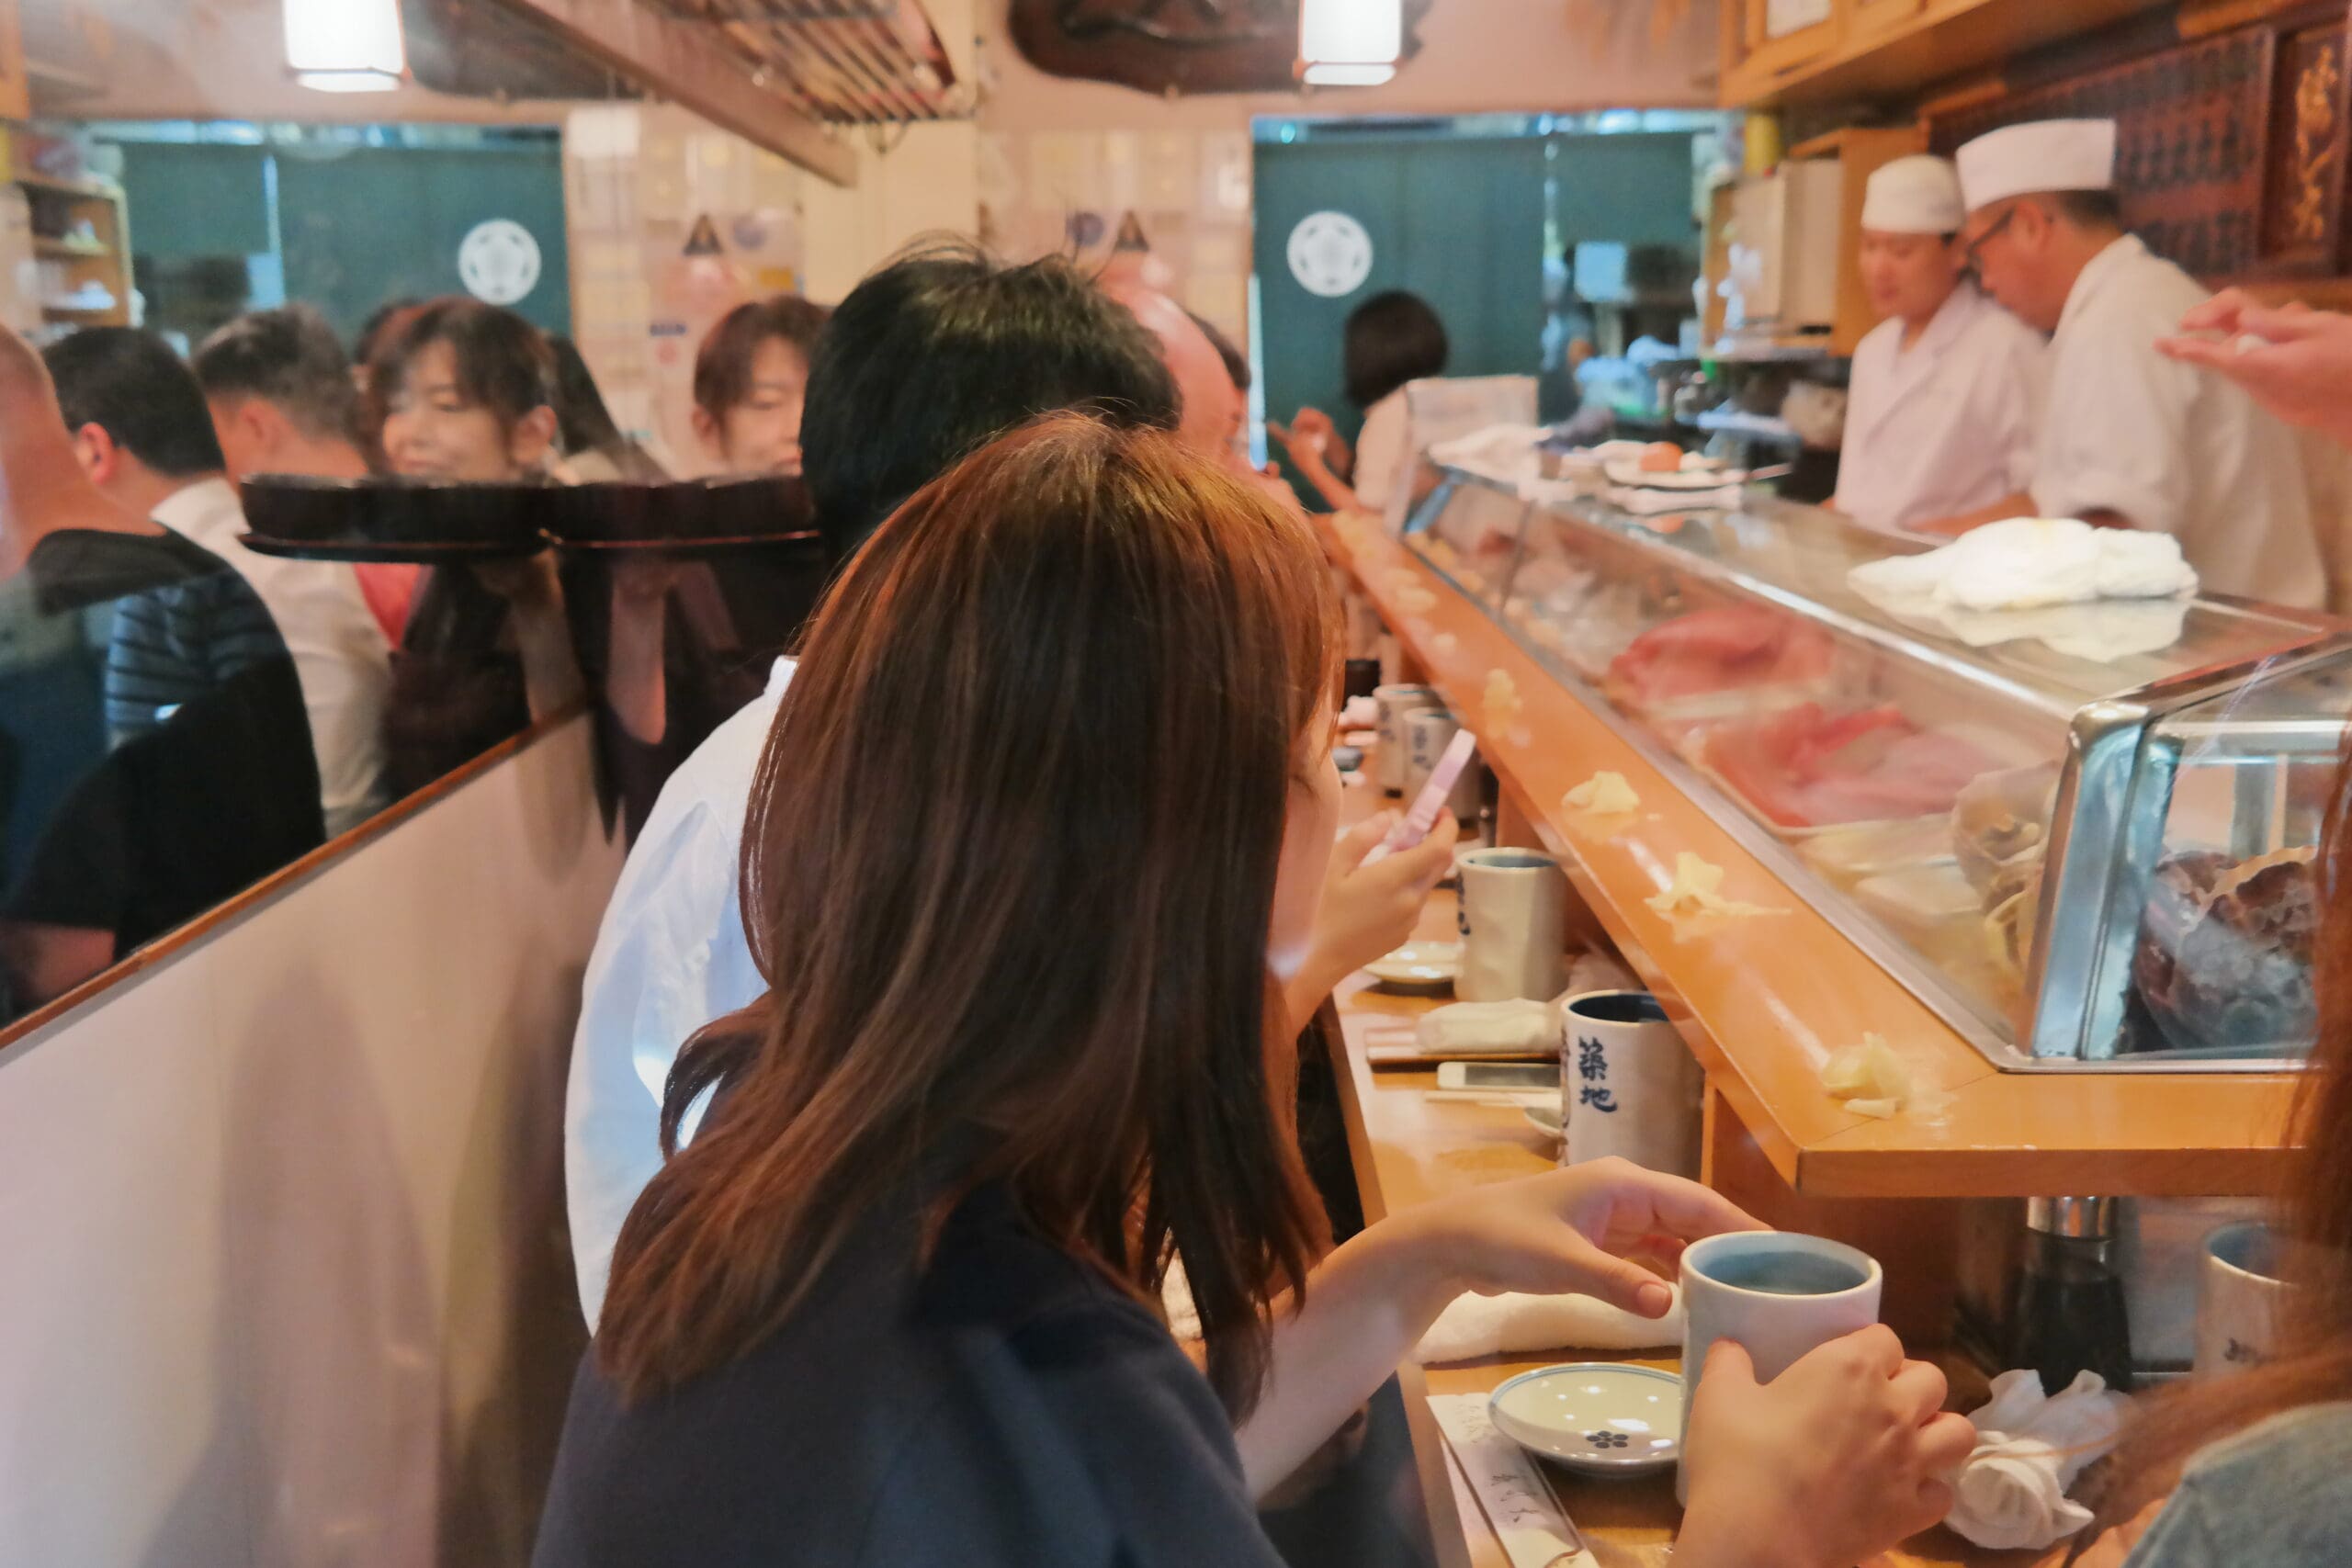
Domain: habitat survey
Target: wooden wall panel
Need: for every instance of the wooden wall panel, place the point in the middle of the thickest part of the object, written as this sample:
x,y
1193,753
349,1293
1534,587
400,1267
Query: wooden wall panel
x,y
2233,123
16,96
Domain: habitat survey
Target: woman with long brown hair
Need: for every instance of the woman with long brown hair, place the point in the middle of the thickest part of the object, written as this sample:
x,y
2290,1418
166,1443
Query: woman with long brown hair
x,y
1041,826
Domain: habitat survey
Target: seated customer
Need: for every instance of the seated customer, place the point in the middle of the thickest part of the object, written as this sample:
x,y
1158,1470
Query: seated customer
x,y
889,1305
198,780
998,344
284,401
752,384
146,438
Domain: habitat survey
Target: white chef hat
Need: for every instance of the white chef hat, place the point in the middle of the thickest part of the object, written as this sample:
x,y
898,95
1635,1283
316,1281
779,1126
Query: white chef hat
x,y
1918,194
2042,155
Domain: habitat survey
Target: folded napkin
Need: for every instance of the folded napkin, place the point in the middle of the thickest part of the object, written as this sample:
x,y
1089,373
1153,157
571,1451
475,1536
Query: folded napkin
x,y
2026,563
1489,1029
1507,1325
2030,1448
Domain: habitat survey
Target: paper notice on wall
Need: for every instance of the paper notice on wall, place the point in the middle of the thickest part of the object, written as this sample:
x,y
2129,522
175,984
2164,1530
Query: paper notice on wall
x,y
1065,170
1122,169
1225,173
1172,170
999,177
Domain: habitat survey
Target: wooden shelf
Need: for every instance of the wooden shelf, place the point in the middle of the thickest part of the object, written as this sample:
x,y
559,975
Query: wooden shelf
x,y
66,250
89,190
1948,38
1764,1000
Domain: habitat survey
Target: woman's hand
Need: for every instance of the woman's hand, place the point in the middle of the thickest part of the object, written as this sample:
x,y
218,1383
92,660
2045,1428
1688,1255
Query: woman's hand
x,y
2294,361
1838,1458
1312,436
1373,1298
1583,1228
1367,910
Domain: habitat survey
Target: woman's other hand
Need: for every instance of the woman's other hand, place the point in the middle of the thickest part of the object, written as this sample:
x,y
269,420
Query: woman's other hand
x,y
1586,1228
1367,910
1837,1458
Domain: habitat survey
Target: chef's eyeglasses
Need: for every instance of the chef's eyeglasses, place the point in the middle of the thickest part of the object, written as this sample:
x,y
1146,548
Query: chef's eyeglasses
x,y
1971,256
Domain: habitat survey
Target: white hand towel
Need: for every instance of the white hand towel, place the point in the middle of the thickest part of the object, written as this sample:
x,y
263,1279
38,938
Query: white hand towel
x,y
2030,1448
1489,1027
1475,1326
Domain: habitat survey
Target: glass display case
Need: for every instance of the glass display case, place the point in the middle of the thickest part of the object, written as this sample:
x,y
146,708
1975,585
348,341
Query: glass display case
x,y
2083,834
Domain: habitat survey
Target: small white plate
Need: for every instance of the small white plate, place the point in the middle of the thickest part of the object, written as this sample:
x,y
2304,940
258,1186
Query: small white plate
x,y
1418,963
1601,1418
1546,1117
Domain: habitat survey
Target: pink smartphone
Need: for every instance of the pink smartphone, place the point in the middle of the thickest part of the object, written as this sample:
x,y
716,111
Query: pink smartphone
x,y
1431,801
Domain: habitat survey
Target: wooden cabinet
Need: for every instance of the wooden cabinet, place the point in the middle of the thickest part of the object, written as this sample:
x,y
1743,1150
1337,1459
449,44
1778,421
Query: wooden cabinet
x,y
1781,52
15,93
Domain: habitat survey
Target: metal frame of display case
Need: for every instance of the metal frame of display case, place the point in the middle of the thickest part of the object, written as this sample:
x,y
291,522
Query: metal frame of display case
x,y
2107,820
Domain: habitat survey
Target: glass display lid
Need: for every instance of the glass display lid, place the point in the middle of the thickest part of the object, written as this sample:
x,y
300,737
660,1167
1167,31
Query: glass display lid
x,y
2083,833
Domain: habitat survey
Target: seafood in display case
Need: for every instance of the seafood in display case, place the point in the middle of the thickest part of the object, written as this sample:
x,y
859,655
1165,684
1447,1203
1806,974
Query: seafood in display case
x,y
2084,851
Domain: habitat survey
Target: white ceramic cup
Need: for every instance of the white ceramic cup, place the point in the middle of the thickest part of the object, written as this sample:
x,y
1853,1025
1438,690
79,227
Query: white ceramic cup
x,y
1428,732
1512,915
1628,1086
2240,1299
1395,703
1776,1293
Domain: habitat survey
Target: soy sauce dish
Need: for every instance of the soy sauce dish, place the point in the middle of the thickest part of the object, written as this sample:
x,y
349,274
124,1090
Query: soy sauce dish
x,y
1597,1418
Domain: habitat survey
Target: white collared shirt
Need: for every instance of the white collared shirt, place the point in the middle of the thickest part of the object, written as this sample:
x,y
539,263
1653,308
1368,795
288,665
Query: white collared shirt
x,y
671,956
2175,449
1947,425
339,655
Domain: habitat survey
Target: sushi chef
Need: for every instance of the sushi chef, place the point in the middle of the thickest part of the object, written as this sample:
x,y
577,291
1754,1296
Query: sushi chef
x,y
2128,437
1941,419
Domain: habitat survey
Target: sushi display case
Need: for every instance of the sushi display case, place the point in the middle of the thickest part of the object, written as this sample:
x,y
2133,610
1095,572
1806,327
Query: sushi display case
x,y
2083,834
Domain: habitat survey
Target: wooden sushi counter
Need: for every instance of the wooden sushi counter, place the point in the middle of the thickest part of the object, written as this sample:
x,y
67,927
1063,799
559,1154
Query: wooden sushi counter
x,y
1764,999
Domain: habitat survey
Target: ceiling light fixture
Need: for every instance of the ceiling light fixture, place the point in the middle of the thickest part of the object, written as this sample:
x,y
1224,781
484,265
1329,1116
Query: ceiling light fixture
x,y
1349,43
345,46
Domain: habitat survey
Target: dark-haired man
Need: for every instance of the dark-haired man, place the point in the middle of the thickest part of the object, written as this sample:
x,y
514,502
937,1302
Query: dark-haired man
x,y
282,396
2127,437
920,365
924,361
145,437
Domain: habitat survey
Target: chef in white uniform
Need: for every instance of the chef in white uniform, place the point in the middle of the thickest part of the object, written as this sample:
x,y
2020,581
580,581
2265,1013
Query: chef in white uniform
x,y
1941,418
2129,437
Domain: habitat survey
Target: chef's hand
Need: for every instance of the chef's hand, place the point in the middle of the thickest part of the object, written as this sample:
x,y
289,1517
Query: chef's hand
x,y
1837,1458
2293,360
1367,909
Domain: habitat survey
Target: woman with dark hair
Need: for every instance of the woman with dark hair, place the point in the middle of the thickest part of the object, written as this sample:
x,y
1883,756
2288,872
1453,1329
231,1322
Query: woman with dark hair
x,y
897,1300
752,383
459,390
1392,338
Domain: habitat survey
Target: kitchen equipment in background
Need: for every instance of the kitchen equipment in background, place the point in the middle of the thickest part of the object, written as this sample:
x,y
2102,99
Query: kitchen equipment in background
x,y
20,269
1782,274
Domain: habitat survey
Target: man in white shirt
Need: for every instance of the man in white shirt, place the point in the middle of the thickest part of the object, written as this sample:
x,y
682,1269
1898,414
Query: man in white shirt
x,y
1941,419
997,347
2129,437
146,439
922,363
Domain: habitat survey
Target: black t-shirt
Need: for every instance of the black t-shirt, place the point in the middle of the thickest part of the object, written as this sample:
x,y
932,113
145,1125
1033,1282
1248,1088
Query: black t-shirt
x,y
1009,1408
209,783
